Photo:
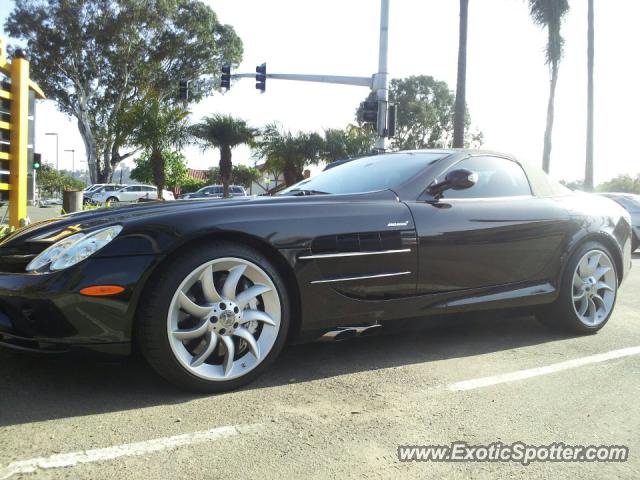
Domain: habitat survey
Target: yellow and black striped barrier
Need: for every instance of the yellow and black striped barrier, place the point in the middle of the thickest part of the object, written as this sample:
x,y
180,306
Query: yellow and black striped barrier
x,y
15,87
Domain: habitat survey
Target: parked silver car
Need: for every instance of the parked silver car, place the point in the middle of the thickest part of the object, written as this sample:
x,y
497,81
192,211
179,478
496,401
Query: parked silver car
x,y
215,191
631,203
101,188
131,193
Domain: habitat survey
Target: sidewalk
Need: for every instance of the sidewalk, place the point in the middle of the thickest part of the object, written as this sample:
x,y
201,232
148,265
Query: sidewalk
x,y
36,214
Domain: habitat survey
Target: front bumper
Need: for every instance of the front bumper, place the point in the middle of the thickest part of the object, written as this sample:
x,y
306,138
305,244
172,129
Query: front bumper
x,y
46,312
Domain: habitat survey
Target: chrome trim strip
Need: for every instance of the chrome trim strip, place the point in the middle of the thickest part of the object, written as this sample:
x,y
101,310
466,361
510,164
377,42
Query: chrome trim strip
x,y
362,277
352,254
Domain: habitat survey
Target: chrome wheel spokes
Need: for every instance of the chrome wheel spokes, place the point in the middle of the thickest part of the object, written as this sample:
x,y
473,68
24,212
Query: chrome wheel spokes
x,y
223,333
594,288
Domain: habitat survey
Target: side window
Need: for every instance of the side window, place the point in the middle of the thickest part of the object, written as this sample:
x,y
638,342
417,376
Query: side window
x,y
133,189
497,177
149,189
217,190
236,190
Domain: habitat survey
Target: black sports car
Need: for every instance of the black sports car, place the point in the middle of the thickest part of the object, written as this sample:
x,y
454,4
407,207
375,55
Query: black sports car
x,y
212,291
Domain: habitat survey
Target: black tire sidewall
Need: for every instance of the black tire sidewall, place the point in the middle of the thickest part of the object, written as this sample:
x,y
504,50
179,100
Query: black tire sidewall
x,y
152,321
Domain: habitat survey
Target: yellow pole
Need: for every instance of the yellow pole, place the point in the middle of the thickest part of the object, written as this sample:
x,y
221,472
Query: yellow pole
x,y
18,140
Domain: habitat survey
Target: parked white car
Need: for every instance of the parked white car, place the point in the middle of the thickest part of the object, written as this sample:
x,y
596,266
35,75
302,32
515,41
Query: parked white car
x,y
131,193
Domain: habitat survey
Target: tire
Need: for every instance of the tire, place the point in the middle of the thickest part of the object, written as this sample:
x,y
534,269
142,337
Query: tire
x,y
187,341
635,243
568,312
112,200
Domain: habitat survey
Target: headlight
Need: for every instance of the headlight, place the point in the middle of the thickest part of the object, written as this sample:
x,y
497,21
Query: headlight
x,y
73,249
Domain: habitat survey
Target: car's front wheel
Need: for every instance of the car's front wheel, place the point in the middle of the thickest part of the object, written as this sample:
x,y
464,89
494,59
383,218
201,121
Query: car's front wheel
x,y
215,317
588,291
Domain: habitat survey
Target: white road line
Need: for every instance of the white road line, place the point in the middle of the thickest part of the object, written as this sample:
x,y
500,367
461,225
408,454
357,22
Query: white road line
x,y
126,450
536,372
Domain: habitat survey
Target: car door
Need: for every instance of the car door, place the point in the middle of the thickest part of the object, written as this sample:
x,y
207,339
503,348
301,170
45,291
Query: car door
x,y
494,233
129,194
150,193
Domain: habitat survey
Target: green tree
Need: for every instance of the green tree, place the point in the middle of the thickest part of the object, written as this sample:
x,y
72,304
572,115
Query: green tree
x,y
289,153
158,127
175,169
621,183
549,14
240,175
588,174
224,133
52,182
460,111
425,113
191,184
353,141
95,57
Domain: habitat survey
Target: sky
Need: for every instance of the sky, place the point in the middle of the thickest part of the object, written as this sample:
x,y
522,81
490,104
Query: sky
x,y
507,80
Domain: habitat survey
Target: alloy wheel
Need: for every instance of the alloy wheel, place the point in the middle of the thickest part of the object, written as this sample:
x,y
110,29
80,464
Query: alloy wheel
x,y
594,288
224,319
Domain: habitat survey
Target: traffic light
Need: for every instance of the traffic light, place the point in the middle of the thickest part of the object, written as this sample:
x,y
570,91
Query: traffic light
x,y
37,161
183,90
261,77
369,113
225,81
392,115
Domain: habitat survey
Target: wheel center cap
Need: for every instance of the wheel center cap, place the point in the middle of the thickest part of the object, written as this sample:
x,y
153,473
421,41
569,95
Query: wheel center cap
x,y
227,319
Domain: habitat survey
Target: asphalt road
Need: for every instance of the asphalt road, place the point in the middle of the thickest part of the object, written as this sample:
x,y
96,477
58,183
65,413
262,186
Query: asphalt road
x,y
335,410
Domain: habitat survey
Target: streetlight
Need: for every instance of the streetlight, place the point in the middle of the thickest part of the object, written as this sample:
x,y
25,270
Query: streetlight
x,y
57,150
73,162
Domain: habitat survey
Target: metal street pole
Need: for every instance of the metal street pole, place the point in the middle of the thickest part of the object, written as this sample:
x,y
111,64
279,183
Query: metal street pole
x,y
381,78
57,149
73,162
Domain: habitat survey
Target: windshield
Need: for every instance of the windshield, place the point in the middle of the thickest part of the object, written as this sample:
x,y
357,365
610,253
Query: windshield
x,y
366,174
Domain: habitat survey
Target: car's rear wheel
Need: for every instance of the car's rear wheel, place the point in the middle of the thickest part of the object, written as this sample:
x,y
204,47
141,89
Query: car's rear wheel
x,y
215,318
588,291
112,200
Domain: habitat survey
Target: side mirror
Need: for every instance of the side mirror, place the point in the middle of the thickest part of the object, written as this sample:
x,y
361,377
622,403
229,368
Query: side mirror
x,y
459,179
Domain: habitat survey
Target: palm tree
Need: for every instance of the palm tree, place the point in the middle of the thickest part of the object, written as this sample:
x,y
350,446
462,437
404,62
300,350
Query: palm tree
x,y
588,174
157,126
460,108
224,133
289,153
549,14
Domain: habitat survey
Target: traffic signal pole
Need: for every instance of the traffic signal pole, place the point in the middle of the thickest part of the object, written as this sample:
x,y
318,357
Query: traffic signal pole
x,y
381,78
378,83
336,79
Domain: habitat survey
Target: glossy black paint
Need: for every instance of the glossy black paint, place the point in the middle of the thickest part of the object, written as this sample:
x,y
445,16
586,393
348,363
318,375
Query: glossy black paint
x,y
442,256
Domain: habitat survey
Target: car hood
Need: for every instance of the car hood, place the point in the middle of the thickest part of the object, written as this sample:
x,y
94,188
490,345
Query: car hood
x,y
40,232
